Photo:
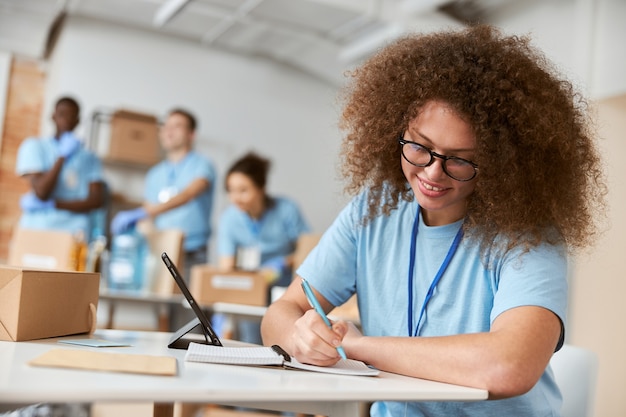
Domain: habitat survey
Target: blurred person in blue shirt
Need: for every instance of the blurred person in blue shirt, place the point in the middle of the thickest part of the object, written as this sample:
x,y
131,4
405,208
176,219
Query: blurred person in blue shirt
x,y
257,231
178,191
65,178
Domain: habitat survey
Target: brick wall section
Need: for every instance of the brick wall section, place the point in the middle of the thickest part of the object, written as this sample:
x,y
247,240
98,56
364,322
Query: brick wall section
x,y
22,119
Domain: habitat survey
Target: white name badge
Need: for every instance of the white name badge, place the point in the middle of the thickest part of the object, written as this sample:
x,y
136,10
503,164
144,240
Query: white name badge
x,y
166,194
248,259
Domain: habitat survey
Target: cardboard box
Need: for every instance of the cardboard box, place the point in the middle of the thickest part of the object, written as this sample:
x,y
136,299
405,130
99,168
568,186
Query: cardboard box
x,y
170,241
134,138
43,249
209,285
36,304
305,244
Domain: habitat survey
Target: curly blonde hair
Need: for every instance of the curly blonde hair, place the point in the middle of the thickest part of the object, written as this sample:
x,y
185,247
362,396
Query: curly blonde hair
x,y
539,169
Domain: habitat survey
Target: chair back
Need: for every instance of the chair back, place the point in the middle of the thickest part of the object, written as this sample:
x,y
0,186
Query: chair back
x,y
576,371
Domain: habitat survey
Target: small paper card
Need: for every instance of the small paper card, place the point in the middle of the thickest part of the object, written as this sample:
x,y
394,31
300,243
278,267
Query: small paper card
x,y
104,361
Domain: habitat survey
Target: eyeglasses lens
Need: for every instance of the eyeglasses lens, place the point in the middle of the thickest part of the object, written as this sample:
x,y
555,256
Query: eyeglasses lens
x,y
418,155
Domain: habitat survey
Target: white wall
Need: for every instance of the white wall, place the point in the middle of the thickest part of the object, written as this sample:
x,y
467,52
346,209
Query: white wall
x,y
609,59
583,38
597,305
241,102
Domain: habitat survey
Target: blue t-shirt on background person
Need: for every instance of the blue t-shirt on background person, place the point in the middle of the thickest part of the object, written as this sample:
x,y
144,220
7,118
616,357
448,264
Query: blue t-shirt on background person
x,y
274,234
78,172
194,218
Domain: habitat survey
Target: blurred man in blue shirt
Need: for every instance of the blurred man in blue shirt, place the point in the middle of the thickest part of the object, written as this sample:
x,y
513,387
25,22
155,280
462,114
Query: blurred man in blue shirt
x,y
178,190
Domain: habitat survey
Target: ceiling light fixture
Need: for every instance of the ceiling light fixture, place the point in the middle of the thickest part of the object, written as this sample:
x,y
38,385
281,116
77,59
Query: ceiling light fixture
x,y
422,6
167,11
229,21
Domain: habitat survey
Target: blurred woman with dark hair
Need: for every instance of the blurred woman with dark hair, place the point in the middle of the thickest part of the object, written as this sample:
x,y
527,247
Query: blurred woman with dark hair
x,y
258,231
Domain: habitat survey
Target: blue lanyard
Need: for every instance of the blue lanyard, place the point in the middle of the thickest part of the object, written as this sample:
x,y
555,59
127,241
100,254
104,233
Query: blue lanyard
x,y
254,226
442,269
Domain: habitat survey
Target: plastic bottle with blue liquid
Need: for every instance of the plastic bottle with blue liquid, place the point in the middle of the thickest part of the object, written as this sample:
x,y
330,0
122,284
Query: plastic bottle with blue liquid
x,y
127,261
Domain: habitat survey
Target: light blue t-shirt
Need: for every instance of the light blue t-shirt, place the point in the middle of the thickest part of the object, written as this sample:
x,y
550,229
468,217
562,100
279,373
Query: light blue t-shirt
x,y
373,261
80,170
166,179
275,233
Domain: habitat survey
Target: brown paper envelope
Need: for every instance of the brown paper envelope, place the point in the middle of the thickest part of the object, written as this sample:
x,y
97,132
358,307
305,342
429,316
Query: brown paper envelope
x,y
103,361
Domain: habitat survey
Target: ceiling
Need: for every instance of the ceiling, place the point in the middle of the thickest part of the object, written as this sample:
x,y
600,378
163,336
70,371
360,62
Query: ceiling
x,y
321,37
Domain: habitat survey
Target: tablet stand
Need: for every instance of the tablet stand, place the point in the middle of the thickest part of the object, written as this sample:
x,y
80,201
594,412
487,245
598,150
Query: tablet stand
x,y
182,337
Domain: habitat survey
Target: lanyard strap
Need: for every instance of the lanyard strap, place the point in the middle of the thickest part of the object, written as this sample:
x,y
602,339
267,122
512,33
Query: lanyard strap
x,y
254,226
433,284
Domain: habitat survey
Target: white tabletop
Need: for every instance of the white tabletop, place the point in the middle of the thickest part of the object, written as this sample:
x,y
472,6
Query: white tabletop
x,y
259,387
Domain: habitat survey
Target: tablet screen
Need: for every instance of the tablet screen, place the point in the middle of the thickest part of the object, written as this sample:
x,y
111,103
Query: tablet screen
x,y
204,320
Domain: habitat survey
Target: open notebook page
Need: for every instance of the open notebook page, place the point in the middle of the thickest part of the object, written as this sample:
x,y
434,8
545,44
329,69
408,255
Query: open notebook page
x,y
260,355
264,355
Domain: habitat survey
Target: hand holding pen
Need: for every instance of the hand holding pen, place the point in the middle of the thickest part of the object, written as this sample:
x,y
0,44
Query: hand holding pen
x,y
318,308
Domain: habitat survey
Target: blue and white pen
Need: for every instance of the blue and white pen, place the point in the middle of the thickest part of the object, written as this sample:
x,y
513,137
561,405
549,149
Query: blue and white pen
x,y
318,308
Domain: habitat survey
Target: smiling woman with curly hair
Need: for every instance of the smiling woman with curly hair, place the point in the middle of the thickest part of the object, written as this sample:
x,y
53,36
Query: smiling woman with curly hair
x,y
475,172
539,168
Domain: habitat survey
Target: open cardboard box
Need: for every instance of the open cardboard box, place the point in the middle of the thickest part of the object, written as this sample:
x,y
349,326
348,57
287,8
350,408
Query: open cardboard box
x,y
42,249
210,285
159,241
36,304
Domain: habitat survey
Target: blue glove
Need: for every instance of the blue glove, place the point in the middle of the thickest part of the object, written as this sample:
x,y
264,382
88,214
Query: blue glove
x,y
30,202
68,144
124,220
276,263
273,268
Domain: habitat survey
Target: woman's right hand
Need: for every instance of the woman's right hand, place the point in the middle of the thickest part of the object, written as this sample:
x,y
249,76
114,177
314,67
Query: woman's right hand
x,y
314,342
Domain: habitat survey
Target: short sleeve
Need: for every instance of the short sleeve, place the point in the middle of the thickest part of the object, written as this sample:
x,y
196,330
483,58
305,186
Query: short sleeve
x,y
207,171
30,158
226,244
335,256
537,277
295,221
94,174
199,167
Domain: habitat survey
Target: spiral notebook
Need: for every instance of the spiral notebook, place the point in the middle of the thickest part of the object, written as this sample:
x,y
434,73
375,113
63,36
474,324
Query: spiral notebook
x,y
270,356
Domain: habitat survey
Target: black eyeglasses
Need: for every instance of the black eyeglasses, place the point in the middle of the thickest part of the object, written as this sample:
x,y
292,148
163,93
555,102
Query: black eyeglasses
x,y
456,168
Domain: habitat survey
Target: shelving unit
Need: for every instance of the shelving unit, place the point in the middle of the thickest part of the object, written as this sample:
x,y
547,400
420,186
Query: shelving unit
x,y
125,179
